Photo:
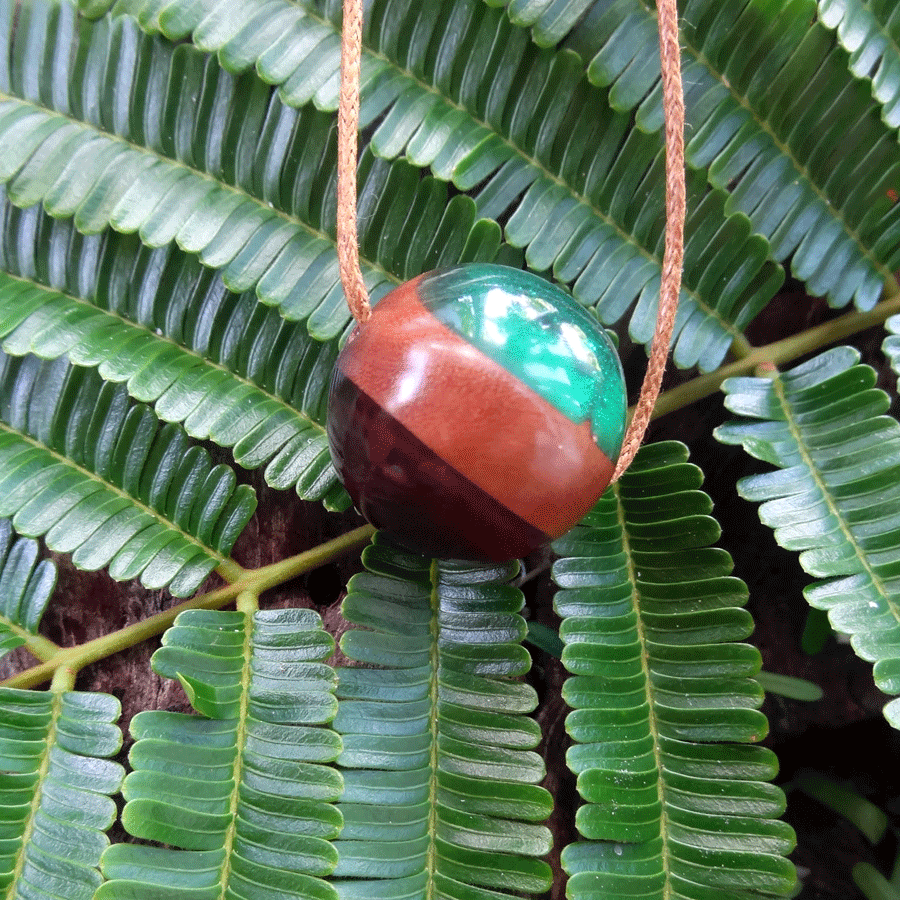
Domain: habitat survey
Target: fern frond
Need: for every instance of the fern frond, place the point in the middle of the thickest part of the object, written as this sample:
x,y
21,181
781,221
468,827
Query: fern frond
x,y
440,793
242,793
869,30
216,163
99,477
660,692
26,585
834,496
227,367
582,190
774,118
55,785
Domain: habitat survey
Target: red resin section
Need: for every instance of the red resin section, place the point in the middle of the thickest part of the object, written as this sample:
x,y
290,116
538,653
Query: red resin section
x,y
515,471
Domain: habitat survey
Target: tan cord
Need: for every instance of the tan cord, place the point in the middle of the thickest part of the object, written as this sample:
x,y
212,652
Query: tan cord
x,y
348,125
673,105
673,257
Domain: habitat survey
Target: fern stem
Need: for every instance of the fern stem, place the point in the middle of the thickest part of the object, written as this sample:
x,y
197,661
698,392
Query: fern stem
x,y
252,584
262,579
36,644
778,353
63,680
741,347
231,572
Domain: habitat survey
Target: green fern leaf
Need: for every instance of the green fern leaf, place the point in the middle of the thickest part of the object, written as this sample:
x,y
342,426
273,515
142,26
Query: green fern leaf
x,y
891,345
215,163
870,32
227,367
760,79
242,793
440,776
833,498
550,20
581,189
99,478
659,694
56,781
26,585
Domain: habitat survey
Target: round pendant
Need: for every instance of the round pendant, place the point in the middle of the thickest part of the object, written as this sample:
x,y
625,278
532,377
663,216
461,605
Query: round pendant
x,y
478,414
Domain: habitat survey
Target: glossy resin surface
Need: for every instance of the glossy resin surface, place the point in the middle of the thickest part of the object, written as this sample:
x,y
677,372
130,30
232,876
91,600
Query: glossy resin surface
x,y
478,414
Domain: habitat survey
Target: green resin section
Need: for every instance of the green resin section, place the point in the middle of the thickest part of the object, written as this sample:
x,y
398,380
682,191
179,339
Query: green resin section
x,y
541,336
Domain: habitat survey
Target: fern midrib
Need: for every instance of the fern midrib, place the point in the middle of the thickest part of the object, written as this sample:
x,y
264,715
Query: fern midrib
x,y
833,508
178,164
727,326
785,149
665,855
434,727
223,561
247,604
151,335
62,682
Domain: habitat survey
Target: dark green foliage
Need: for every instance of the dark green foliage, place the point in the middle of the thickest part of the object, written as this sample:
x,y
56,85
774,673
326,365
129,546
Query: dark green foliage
x,y
834,498
168,328
235,176
774,118
101,478
26,586
242,793
663,697
55,785
870,31
168,276
582,192
439,770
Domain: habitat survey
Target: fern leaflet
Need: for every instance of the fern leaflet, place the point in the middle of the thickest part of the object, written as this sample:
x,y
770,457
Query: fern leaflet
x,y
581,189
440,776
833,496
659,693
98,477
55,781
234,176
242,793
870,31
229,368
26,585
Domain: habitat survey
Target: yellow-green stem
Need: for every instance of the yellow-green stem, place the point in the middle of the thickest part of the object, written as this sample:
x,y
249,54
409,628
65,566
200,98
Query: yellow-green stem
x,y
252,584
63,680
778,353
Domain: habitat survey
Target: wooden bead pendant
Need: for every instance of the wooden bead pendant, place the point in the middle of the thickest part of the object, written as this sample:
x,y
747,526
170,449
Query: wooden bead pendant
x,y
478,414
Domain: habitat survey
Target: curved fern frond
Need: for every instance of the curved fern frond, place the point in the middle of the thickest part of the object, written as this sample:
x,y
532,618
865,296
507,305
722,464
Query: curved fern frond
x,y
242,793
660,692
774,118
870,32
26,585
834,496
580,189
99,477
55,784
441,795
227,367
169,145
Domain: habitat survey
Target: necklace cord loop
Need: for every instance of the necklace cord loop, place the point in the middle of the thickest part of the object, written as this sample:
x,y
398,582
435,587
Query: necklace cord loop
x,y
673,256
